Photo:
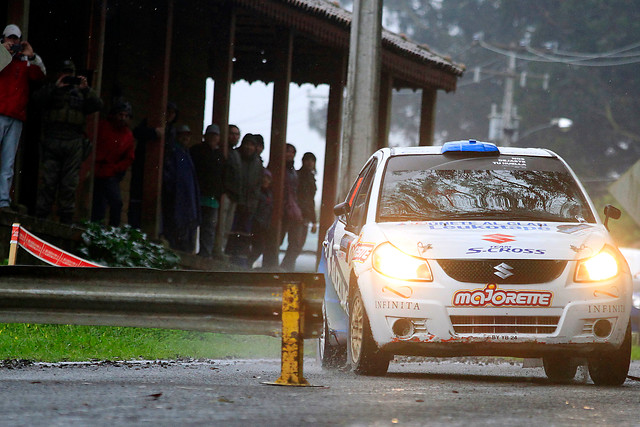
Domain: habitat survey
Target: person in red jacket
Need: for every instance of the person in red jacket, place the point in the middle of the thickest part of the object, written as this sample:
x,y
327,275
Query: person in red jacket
x,y
115,149
25,66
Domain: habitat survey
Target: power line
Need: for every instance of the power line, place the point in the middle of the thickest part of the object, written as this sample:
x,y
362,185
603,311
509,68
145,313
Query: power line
x,y
538,56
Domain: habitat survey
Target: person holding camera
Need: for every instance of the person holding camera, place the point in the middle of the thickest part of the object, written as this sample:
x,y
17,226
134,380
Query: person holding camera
x,y
65,105
25,66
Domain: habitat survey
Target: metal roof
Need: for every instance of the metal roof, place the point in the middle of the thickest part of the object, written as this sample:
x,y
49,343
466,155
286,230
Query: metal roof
x,y
411,64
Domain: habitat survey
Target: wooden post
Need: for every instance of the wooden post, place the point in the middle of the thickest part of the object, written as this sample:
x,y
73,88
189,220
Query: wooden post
x,y
427,116
223,75
384,109
152,190
282,64
13,243
332,151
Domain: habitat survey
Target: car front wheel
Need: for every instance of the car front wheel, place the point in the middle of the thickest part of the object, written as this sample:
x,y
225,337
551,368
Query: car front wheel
x,y
560,369
363,354
330,357
611,367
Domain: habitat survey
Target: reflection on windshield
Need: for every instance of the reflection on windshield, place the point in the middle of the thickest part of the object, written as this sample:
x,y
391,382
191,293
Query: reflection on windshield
x,y
509,195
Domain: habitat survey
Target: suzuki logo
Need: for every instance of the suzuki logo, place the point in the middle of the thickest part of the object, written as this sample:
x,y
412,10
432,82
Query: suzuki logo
x,y
498,238
503,270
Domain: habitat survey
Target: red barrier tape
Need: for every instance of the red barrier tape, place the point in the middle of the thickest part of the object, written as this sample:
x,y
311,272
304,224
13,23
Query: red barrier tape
x,y
45,251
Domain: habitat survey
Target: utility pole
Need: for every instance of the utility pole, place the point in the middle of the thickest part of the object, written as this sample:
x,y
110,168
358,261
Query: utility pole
x,y
507,103
360,131
504,125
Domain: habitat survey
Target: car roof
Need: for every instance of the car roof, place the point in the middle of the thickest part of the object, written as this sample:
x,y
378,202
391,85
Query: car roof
x,y
436,149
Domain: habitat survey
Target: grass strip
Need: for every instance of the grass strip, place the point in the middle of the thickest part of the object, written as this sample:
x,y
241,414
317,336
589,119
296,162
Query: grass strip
x,y
56,343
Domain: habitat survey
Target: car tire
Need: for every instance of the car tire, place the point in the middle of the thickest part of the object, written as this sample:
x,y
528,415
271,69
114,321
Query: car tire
x,y
329,356
560,369
610,368
363,353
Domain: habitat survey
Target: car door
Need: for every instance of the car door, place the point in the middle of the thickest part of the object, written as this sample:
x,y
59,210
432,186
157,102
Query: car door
x,y
348,228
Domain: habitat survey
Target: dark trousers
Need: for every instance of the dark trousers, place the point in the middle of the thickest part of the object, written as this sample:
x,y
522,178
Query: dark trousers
x,y
61,161
294,243
208,230
106,192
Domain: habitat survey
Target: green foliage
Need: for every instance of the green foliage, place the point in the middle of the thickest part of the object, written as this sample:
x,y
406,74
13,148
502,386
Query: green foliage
x,y
55,343
124,247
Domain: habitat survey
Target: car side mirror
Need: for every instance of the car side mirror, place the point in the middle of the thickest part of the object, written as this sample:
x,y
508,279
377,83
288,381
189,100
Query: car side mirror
x,y
341,209
612,212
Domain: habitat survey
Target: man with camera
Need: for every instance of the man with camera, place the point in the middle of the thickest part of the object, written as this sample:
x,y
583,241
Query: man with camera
x,y
24,66
65,105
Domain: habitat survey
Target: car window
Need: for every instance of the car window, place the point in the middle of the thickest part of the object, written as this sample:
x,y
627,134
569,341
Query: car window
x,y
359,198
509,188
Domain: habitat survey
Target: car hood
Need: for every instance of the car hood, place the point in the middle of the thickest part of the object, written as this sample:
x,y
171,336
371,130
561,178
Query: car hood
x,y
497,239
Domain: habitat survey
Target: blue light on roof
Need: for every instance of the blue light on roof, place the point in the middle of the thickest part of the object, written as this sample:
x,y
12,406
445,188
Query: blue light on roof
x,y
469,146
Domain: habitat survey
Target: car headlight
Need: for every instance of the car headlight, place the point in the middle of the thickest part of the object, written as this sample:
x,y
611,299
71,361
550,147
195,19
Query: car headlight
x,y
602,266
636,300
392,262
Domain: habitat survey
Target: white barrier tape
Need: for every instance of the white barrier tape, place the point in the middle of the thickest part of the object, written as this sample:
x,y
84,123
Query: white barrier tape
x,y
46,252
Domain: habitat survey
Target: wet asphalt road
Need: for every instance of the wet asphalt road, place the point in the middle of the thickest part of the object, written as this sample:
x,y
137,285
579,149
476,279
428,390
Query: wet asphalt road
x,y
229,392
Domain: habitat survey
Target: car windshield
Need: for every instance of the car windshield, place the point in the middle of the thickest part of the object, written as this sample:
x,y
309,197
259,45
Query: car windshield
x,y
501,187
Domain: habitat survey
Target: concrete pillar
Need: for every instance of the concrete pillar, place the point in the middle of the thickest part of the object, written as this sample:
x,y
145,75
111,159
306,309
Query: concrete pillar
x,y
427,116
152,191
359,138
332,150
282,72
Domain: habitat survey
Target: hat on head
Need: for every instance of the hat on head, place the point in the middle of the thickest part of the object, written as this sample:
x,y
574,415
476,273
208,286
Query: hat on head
x,y
212,129
122,107
172,106
11,30
68,65
183,129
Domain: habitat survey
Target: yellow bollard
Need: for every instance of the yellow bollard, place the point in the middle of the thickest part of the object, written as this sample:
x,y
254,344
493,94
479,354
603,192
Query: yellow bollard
x,y
292,337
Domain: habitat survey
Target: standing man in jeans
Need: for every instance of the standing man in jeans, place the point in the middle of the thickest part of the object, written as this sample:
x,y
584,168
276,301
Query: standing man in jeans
x,y
25,66
209,163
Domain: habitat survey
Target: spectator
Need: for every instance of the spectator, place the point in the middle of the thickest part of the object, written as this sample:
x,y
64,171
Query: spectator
x,y
259,146
144,134
292,215
180,194
114,155
209,163
21,66
262,219
228,202
306,193
65,105
245,160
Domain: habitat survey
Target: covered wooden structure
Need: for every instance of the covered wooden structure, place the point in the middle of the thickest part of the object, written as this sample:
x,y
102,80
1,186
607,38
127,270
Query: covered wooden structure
x,y
155,51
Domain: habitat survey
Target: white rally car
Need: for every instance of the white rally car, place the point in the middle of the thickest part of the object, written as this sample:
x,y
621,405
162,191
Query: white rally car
x,y
471,249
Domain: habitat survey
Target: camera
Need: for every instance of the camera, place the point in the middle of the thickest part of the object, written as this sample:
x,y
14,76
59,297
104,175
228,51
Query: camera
x,y
16,48
70,80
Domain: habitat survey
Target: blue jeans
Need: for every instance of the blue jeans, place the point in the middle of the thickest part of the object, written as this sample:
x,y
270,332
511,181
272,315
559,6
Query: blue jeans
x,y
10,130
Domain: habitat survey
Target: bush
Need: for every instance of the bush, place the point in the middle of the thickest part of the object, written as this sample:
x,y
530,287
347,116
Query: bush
x,y
124,247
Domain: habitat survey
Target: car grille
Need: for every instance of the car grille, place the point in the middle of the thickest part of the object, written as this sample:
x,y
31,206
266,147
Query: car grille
x,y
504,324
517,272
